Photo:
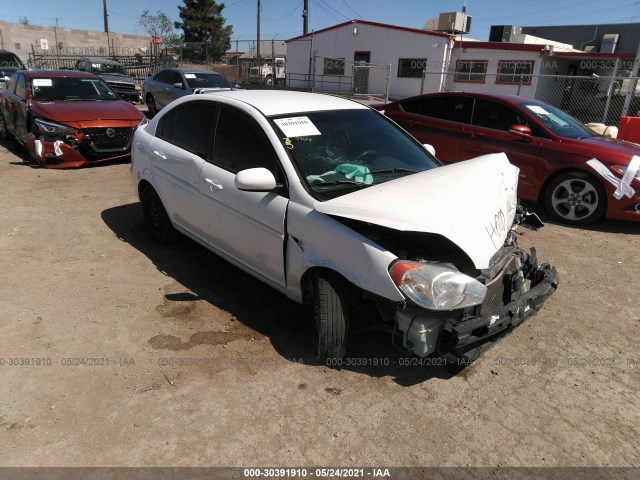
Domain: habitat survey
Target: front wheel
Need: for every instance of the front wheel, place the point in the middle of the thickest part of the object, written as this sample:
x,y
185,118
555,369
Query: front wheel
x,y
576,198
4,130
330,316
151,105
156,217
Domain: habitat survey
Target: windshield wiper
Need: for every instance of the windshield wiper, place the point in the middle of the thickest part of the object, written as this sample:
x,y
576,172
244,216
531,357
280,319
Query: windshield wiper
x,y
340,182
394,170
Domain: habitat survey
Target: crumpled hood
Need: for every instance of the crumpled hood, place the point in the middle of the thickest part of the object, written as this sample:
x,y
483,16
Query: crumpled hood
x,y
472,203
79,111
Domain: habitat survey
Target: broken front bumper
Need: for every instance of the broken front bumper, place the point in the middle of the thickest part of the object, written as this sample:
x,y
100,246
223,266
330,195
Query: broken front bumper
x,y
468,333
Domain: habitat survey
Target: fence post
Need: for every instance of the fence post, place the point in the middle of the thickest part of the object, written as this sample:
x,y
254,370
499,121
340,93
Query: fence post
x,y
610,92
386,85
424,74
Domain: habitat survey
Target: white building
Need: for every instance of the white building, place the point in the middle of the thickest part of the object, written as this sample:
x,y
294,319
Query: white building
x,y
324,60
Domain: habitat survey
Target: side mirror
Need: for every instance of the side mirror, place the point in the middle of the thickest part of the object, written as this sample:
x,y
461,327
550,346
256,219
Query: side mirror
x,y
178,85
255,180
521,132
429,148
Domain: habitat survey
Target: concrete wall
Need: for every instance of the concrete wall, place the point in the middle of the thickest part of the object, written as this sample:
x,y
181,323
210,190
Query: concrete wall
x,y
20,39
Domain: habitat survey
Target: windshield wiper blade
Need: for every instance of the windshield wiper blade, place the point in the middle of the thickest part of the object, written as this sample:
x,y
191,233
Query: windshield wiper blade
x,y
394,170
340,182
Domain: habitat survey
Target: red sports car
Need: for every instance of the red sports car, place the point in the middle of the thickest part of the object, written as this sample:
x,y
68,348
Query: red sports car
x,y
67,118
577,174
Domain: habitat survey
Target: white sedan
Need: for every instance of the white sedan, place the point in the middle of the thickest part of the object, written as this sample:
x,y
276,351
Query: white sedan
x,y
332,204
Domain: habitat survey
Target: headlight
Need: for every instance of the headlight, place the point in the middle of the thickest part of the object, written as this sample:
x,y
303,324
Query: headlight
x,y
437,287
53,128
621,169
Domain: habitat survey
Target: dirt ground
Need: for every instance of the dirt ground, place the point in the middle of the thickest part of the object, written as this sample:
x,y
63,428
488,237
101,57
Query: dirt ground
x,y
115,351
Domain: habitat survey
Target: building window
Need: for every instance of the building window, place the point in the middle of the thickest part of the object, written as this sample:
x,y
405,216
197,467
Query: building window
x,y
470,71
514,72
16,46
334,66
411,67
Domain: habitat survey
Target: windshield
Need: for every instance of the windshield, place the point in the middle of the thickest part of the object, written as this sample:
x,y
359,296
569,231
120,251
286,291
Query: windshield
x,y
559,122
8,61
70,88
206,80
338,151
109,69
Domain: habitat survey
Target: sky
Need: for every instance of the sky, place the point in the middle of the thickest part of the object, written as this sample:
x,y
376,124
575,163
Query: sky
x,y
282,19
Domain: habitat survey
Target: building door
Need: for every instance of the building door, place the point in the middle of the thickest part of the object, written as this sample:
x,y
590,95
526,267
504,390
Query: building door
x,y
361,72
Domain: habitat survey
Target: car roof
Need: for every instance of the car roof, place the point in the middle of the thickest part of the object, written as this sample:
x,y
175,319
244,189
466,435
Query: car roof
x,y
282,102
99,60
58,73
512,99
191,70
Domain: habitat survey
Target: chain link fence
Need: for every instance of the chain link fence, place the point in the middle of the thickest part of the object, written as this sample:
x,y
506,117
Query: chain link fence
x,y
140,62
591,99
346,77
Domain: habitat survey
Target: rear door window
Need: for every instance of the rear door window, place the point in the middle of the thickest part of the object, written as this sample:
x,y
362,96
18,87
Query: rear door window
x,y
453,109
190,127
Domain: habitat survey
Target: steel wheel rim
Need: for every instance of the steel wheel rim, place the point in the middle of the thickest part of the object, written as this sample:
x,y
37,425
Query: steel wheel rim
x,y
575,199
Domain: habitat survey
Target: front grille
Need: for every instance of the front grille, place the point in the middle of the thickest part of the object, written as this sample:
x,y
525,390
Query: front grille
x,y
110,139
122,87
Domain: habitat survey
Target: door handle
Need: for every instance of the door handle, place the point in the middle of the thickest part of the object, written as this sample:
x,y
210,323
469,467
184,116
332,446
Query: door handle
x,y
213,184
160,154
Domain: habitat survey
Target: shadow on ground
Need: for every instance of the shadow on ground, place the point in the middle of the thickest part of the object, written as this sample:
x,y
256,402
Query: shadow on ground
x,y
259,307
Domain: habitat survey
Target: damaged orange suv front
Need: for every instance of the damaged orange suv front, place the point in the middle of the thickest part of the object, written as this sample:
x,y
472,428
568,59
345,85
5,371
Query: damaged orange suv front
x,y
67,118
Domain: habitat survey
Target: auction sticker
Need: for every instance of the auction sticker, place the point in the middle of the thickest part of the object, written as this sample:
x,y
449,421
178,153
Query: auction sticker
x,y
42,82
297,127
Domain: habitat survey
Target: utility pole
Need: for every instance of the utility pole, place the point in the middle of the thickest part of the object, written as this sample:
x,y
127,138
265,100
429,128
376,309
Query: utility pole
x,y
106,25
258,49
106,19
305,17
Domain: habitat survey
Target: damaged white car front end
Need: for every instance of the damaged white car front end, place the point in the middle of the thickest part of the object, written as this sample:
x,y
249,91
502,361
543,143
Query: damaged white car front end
x,y
460,275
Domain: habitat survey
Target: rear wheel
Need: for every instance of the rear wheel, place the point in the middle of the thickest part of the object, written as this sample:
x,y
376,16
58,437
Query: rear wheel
x,y
156,217
151,105
330,316
4,130
576,198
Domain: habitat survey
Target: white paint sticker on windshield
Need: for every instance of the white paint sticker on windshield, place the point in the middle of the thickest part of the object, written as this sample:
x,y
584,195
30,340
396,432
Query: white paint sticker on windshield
x,y
189,75
42,82
537,109
297,127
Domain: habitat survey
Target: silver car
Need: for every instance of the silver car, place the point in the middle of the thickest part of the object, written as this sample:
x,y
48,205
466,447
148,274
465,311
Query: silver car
x,y
171,83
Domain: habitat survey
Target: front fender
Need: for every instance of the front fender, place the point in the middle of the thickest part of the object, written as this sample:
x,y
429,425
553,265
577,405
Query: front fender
x,y
317,240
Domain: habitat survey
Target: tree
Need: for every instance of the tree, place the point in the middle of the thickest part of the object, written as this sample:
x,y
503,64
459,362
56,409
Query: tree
x,y
206,35
158,25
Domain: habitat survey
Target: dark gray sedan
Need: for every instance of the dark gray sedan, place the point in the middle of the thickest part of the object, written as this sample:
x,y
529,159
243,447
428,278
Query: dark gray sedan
x,y
170,83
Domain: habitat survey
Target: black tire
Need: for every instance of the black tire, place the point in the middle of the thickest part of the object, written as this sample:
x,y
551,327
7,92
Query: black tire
x,y
4,131
156,217
575,198
330,316
151,105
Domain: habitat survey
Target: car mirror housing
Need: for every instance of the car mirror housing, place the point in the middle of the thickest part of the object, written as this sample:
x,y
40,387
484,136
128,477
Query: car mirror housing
x,y
178,85
255,180
520,131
